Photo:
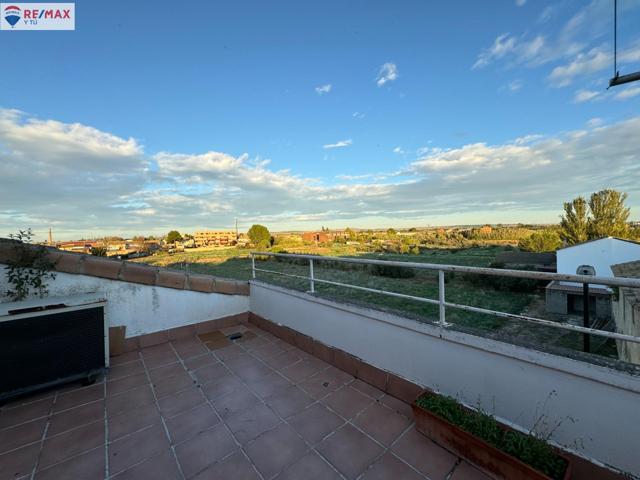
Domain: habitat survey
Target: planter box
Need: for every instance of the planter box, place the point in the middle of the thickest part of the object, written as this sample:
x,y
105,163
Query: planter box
x,y
495,462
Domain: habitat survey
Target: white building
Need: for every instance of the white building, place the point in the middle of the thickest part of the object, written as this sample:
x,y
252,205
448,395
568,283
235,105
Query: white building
x,y
566,297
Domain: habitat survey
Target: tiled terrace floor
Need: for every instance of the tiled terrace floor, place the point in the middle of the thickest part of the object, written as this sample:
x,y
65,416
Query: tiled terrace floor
x,y
257,409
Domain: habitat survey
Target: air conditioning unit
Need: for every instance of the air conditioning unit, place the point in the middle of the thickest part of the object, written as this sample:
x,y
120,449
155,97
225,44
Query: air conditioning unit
x,y
49,341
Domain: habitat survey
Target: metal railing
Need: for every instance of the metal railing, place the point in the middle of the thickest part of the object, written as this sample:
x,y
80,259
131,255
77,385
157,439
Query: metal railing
x,y
585,280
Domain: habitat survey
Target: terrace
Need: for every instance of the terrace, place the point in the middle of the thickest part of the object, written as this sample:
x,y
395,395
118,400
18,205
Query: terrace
x,y
211,378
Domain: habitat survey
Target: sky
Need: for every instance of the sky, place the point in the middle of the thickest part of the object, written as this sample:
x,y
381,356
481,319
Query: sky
x,y
153,116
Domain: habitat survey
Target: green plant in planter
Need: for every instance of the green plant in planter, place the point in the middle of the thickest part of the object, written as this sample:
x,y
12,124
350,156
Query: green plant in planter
x,y
532,449
30,268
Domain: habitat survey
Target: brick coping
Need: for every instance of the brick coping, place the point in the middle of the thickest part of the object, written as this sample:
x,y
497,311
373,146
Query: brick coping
x,y
124,271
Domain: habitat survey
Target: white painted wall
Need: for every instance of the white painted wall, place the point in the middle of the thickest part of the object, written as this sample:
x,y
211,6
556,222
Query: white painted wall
x,y
600,254
145,308
516,383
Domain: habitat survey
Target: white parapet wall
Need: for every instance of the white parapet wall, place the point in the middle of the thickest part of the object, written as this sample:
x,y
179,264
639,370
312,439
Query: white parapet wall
x,y
142,308
598,408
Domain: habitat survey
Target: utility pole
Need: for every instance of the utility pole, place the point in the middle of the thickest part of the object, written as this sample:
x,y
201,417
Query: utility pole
x,y
237,236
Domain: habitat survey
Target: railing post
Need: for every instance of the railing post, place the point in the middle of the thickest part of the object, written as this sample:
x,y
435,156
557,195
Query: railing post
x,y
312,283
253,266
586,340
443,322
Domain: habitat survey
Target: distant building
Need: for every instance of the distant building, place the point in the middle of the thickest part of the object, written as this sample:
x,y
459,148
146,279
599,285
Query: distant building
x,y
215,238
317,237
595,255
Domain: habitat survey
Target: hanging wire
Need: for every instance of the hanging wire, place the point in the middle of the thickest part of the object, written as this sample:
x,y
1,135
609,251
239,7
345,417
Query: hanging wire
x,y
615,38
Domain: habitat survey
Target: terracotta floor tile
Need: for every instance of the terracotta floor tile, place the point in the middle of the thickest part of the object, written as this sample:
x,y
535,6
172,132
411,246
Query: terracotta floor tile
x,y
166,371
347,401
229,353
132,420
288,401
132,449
25,413
274,450
309,467
302,370
19,462
315,422
390,467
194,363
176,403
124,370
221,386
169,385
382,423
89,465
211,372
234,467
204,449
397,405
162,466
79,397
367,389
282,360
250,423
190,423
71,443
157,358
14,437
129,400
465,471
424,455
252,372
227,331
266,351
238,400
214,336
189,348
350,451
269,384
124,358
126,383
74,417
325,382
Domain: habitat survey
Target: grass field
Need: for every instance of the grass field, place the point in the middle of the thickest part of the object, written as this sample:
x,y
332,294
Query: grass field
x,y
235,263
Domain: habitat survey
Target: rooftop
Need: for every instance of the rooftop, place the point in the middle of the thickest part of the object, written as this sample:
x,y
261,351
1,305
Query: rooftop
x,y
199,408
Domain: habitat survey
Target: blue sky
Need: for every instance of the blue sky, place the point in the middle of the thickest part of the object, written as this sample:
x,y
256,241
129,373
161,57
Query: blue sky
x,y
300,114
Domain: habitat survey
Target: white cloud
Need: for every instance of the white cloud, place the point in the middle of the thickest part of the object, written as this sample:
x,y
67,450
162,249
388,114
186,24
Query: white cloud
x,y
358,115
520,3
512,86
323,89
582,96
595,122
398,150
86,182
627,93
388,73
340,144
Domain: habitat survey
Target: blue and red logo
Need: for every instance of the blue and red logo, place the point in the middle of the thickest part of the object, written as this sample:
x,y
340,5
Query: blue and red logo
x,y
12,15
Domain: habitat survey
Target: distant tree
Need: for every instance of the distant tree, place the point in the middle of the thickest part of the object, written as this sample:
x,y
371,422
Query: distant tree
x,y
173,236
575,221
542,241
391,232
351,235
608,214
99,251
259,236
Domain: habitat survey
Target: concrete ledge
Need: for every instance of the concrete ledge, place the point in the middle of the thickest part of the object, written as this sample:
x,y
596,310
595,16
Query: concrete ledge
x,y
122,270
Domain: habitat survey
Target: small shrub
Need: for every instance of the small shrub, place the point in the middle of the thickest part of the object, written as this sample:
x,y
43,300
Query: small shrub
x,y
30,268
392,271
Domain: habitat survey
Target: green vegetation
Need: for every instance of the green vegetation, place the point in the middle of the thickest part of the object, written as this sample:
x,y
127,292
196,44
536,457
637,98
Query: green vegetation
x,y
259,236
30,268
547,240
606,215
173,236
528,448
99,251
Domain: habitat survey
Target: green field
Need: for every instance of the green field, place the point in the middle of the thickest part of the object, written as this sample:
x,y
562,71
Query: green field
x,y
235,263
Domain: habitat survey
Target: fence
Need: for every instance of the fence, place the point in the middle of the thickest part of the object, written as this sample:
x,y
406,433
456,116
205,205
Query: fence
x,y
585,280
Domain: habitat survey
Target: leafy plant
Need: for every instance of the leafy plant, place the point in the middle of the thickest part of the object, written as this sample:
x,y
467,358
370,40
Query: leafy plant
x,y
531,448
30,268
392,271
